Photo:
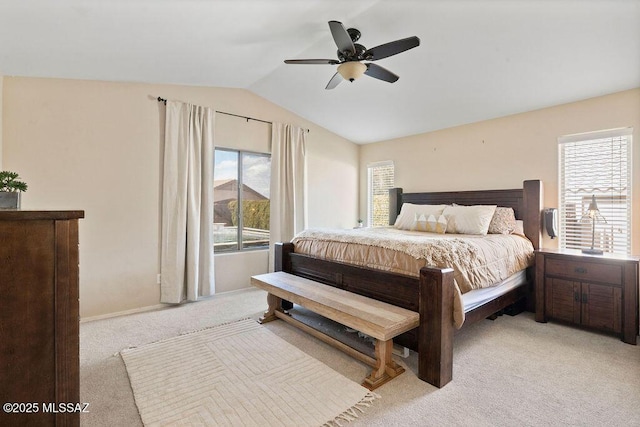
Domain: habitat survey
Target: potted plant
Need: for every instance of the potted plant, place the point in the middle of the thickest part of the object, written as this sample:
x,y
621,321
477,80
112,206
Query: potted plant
x,y
10,189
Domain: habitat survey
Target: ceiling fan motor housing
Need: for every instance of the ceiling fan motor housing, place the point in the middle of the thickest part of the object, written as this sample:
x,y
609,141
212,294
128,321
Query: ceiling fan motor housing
x,y
354,34
359,54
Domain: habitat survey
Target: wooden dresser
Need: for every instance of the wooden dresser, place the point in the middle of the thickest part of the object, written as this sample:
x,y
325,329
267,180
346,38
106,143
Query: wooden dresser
x,y
39,328
594,291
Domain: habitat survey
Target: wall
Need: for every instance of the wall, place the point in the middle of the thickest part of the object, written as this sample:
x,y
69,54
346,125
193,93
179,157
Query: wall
x,y
1,103
97,146
501,153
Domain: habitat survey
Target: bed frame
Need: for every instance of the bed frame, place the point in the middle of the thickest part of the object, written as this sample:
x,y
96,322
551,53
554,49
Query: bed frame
x,y
430,294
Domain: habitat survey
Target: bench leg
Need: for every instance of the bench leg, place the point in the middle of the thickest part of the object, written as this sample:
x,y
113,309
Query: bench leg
x,y
275,304
386,369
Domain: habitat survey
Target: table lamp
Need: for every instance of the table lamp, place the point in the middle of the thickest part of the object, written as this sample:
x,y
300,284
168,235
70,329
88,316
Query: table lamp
x,y
594,214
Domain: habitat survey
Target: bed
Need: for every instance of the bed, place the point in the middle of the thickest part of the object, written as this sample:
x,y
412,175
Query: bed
x,y
431,291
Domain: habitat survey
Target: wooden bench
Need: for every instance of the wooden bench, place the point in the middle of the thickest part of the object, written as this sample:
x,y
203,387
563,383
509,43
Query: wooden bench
x,y
375,318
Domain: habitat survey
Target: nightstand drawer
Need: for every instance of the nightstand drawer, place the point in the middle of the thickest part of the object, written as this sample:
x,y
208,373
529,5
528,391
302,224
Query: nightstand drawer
x,y
581,270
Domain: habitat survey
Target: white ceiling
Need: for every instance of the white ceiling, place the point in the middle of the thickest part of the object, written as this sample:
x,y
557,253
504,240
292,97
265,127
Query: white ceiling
x,y
477,59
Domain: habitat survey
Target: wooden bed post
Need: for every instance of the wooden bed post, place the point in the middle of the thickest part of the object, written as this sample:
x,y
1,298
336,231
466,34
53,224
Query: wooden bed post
x,y
533,200
282,262
395,203
435,334
281,253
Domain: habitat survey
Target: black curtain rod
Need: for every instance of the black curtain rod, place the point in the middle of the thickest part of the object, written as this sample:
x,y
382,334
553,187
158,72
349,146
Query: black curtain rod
x,y
164,101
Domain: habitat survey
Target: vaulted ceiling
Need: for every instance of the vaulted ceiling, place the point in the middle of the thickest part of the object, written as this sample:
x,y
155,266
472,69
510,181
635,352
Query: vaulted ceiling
x,y
477,59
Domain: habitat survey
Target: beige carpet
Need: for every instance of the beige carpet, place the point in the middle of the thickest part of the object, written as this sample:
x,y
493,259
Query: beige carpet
x,y
509,372
238,373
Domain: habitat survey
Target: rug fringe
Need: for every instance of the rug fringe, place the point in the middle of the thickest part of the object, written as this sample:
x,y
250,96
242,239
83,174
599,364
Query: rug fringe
x,y
352,413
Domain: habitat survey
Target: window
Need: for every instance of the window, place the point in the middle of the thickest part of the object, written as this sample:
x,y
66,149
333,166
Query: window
x,y
596,164
380,180
241,218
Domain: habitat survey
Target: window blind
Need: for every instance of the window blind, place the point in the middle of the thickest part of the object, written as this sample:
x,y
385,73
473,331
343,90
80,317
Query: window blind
x,y
380,180
596,164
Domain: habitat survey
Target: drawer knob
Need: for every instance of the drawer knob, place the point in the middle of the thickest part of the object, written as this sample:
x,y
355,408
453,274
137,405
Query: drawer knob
x,y
580,270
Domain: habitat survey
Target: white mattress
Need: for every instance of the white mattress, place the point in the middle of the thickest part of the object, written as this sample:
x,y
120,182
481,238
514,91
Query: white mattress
x,y
476,297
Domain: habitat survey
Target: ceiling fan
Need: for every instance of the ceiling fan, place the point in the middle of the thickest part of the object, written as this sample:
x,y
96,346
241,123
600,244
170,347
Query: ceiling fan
x,y
351,55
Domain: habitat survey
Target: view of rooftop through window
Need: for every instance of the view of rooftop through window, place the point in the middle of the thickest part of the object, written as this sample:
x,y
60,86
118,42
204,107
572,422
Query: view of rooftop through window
x,y
241,218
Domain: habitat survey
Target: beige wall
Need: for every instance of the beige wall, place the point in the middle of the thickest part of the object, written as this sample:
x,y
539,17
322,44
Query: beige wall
x,y
503,152
1,103
97,146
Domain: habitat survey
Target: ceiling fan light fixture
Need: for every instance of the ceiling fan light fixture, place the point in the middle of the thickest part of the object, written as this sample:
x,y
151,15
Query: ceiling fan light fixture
x,y
351,70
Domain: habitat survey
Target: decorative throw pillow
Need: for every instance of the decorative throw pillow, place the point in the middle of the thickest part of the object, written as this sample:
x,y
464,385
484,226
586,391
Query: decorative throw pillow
x,y
419,223
431,224
503,221
469,219
407,216
437,225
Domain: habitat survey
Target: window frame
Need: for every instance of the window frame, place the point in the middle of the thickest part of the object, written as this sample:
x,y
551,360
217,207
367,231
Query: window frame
x,y
370,171
240,178
575,189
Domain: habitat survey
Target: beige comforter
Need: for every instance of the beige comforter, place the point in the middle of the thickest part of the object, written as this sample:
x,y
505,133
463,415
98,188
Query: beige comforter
x,y
477,261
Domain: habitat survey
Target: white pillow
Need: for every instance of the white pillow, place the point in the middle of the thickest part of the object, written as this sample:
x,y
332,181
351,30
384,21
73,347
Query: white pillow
x,y
408,214
519,228
469,219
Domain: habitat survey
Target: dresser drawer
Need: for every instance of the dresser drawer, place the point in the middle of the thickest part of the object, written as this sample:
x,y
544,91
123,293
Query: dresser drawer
x,y
582,270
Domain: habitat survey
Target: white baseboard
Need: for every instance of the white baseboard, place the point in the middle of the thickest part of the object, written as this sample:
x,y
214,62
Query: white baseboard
x,y
124,313
154,307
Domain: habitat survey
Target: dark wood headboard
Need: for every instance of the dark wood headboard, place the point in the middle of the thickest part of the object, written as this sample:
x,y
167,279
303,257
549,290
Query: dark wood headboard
x,y
526,203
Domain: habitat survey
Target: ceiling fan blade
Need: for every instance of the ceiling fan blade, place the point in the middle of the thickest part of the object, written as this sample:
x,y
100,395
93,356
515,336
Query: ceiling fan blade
x,y
311,61
335,81
391,48
341,37
377,72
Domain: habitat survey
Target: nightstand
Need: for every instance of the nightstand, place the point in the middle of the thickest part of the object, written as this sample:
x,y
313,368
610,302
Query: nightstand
x,y
595,291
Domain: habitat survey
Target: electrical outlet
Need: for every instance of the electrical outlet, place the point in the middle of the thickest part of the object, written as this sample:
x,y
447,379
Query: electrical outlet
x,y
159,279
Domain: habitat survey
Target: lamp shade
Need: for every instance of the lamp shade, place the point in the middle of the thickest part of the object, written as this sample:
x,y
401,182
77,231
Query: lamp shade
x,y
593,210
351,70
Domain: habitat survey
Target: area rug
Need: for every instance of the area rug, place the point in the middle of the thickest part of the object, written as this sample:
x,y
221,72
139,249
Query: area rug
x,y
238,374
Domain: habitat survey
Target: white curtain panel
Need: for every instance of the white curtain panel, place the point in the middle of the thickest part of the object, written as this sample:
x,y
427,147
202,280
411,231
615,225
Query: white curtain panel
x,y
287,184
186,265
